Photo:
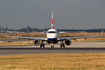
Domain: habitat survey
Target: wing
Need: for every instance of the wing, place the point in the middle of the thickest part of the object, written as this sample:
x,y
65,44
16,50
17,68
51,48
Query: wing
x,y
78,37
60,39
31,38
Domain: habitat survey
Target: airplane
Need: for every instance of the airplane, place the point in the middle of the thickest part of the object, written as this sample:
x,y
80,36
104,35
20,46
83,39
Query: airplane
x,y
52,38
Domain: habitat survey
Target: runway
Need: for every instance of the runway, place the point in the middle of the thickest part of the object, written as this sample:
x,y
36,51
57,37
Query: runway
x,y
76,47
15,51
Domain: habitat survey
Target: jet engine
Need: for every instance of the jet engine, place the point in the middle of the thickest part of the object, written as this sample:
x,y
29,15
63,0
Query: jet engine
x,y
36,42
68,42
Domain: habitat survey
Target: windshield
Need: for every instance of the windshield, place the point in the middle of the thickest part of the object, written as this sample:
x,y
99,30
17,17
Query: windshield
x,y
52,32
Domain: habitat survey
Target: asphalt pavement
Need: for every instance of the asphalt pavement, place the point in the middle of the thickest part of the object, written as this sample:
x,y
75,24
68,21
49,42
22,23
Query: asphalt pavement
x,y
76,47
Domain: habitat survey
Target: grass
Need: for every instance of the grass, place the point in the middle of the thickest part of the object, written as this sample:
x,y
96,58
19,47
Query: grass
x,y
15,44
68,61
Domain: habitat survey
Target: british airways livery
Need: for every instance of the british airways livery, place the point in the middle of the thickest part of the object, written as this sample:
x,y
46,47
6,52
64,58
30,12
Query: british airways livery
x,y
52,38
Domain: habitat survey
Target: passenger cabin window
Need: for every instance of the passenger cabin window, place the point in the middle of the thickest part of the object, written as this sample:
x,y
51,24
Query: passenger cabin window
x,y
52,32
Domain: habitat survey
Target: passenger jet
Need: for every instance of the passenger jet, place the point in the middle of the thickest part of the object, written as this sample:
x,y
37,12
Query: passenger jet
x,y
52,38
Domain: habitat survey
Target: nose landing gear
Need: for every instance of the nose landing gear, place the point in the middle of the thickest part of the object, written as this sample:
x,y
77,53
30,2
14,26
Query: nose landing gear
x,y
52,45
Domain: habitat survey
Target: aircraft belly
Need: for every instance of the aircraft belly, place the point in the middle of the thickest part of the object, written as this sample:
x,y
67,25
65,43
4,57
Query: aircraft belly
x,y
52,40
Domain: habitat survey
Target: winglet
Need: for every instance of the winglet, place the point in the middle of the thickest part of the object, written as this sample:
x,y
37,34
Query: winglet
x,y
102,32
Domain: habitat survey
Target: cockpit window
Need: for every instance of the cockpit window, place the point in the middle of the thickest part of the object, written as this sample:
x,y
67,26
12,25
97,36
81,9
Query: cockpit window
x,y
52,32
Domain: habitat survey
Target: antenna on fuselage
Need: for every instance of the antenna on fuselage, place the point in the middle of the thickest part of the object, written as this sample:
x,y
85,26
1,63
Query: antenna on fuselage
x,y
52,21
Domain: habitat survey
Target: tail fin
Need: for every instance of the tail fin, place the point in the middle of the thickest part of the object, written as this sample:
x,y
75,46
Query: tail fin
x,y
52,21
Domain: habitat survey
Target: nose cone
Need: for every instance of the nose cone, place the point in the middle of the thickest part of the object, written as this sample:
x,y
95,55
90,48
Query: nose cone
x,y
52,33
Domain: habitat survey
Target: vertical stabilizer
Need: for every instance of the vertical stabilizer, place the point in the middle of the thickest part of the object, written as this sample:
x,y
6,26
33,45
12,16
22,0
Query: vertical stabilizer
x,y
52,21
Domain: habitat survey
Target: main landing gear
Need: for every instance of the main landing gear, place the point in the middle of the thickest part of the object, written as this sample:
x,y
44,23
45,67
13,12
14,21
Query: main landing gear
x,y
62,45
42,45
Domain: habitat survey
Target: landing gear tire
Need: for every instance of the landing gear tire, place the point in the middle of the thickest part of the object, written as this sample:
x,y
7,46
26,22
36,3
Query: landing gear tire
x,y
43,46
40,46
62,46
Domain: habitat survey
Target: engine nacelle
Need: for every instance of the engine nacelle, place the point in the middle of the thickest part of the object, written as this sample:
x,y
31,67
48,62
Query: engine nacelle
x,y
36,42
68,42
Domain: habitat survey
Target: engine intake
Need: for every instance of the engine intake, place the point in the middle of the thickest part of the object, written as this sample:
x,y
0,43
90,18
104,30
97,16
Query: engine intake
x,y
68,42
36,42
